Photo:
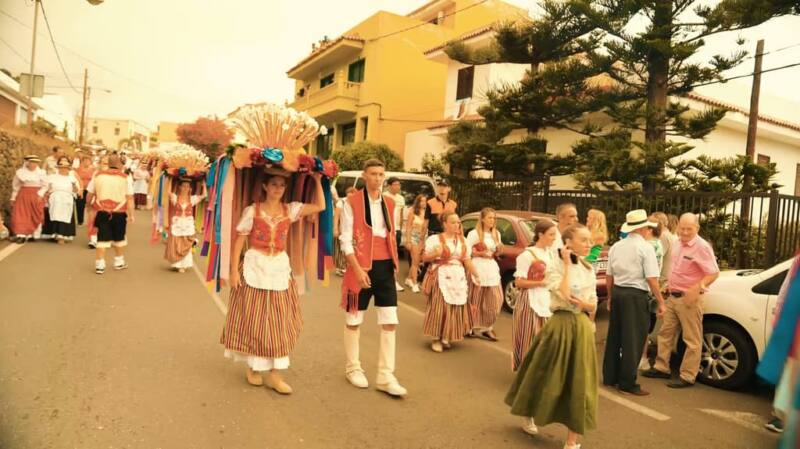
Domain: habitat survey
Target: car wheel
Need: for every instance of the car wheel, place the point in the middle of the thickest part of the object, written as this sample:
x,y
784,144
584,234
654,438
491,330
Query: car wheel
x,y
728,359
510,295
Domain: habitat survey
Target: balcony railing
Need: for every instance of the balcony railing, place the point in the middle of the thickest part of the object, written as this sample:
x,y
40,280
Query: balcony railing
x,y
339,89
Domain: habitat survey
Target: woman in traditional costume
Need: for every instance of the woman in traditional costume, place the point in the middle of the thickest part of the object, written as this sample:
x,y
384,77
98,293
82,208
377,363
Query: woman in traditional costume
x,y
59,193
181,233
415,230
557,381
532,308
264,319
141,185
447,317
486,300
27,213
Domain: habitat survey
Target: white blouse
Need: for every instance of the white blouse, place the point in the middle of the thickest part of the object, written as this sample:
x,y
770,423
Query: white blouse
x,y
582,284
27,178
488,270
183,226
538,297
267,272
451,276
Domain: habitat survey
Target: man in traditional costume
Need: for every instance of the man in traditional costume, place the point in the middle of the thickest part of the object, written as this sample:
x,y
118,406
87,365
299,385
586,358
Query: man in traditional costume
x,y
111,195
27,213
369,244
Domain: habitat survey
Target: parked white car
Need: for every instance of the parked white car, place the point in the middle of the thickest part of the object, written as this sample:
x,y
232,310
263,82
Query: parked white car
x,y
737,323
411,184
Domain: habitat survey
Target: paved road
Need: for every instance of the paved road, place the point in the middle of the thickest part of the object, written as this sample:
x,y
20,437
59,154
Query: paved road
x,y
131,360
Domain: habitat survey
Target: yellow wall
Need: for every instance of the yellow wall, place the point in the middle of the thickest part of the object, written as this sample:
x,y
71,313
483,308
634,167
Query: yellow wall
x,y
106,131
402,90
167,132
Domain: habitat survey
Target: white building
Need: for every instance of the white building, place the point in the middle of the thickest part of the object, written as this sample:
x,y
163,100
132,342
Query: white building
x,y
778,137
51,108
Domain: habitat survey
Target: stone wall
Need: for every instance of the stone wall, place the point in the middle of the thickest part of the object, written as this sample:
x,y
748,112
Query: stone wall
x,y
14,145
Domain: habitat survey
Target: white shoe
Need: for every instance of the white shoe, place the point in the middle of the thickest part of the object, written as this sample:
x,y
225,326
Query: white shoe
x,y
357,379
392,387
415,288
574,446
644,365
529,427
398,287
436,346
409,283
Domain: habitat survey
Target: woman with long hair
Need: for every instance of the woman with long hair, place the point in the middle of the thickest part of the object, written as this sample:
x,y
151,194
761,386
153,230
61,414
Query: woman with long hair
x,y
557,381
596,223
533,305
264,320
415,230
447,318
486,300
181,233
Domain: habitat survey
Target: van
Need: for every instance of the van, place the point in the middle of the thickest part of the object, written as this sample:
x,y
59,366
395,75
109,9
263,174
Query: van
x,y
411,184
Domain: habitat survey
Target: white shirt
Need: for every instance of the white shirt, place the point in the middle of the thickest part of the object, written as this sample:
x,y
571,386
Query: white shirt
x,y
451,276
346,226
488,270
631,261
27,178
399,206
558,243
538,297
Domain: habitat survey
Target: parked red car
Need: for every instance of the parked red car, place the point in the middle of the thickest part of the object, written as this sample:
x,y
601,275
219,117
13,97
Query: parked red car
x,y
516,231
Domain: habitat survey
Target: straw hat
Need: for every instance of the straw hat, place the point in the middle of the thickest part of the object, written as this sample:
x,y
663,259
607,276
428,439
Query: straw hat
x,y
32,158
63,163
637,219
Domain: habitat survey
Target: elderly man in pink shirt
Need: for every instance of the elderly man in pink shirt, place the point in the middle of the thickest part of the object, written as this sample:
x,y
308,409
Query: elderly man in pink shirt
x,y
694,268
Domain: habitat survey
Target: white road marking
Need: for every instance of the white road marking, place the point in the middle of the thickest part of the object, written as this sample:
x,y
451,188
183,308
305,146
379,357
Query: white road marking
x,y
217,300
650,413
750,421
9,250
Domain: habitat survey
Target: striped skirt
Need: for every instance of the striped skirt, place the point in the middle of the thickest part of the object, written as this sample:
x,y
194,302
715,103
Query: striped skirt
x,y
484,305
525,325
262,323
443,321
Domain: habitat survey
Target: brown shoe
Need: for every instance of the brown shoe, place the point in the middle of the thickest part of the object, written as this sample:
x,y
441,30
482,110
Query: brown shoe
x,y
636,392
489,335
254,378
275,381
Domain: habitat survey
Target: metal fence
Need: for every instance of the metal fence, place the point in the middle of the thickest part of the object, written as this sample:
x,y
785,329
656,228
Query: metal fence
x,y
758,237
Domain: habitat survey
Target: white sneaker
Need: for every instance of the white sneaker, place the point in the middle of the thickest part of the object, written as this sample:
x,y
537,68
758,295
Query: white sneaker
x,y
409,283
529,427
398,286
357,379
415,288
392,387
644,365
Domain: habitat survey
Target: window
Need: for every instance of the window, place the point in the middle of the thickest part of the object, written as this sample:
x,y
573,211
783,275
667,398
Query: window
x,y
94,130
464,87
355,73
116,131
797,181
348,133
763,160
507,233
326,81
365,126
772,285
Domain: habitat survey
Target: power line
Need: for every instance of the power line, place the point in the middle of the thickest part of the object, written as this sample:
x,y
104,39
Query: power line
x,y
55,48
774,69
427,23
14,50
774,51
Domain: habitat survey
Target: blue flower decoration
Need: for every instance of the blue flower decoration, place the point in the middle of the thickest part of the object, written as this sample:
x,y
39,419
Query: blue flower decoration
x,y
272,155
318,164
182,171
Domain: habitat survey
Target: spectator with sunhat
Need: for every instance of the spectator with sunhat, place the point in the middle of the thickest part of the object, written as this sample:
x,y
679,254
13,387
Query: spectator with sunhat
x,y
26,200
694,269
632,274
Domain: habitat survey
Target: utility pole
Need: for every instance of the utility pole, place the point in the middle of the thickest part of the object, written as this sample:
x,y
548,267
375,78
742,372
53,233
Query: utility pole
x,y
83,107
33,58
750,151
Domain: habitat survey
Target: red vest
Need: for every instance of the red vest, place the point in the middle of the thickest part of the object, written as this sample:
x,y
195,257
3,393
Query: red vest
x,y
364,245
265,237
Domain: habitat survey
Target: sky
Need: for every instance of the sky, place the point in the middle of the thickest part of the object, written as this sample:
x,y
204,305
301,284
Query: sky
x,y
176,60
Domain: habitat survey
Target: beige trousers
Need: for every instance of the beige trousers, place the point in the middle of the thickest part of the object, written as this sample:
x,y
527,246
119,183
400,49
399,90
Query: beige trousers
x,y
687,319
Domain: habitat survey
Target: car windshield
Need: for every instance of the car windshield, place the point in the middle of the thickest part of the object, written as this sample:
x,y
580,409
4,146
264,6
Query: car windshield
x,y
410,188
527,228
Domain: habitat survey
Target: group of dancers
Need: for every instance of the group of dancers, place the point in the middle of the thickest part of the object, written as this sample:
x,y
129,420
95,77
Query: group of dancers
x,y
555,357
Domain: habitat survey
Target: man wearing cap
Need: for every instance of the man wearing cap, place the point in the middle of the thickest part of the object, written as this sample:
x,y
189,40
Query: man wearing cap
x,y
27,204
632,272
111,196
694,268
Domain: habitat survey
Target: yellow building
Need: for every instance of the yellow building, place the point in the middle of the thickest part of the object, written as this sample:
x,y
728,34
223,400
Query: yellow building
x,y
117,133
375,83
167,132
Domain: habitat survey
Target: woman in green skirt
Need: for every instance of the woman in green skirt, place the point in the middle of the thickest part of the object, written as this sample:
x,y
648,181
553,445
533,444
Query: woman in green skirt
x,y
557,380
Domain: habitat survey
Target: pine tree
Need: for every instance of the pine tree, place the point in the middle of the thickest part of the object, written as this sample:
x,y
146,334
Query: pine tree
x,y
558,90
652,68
